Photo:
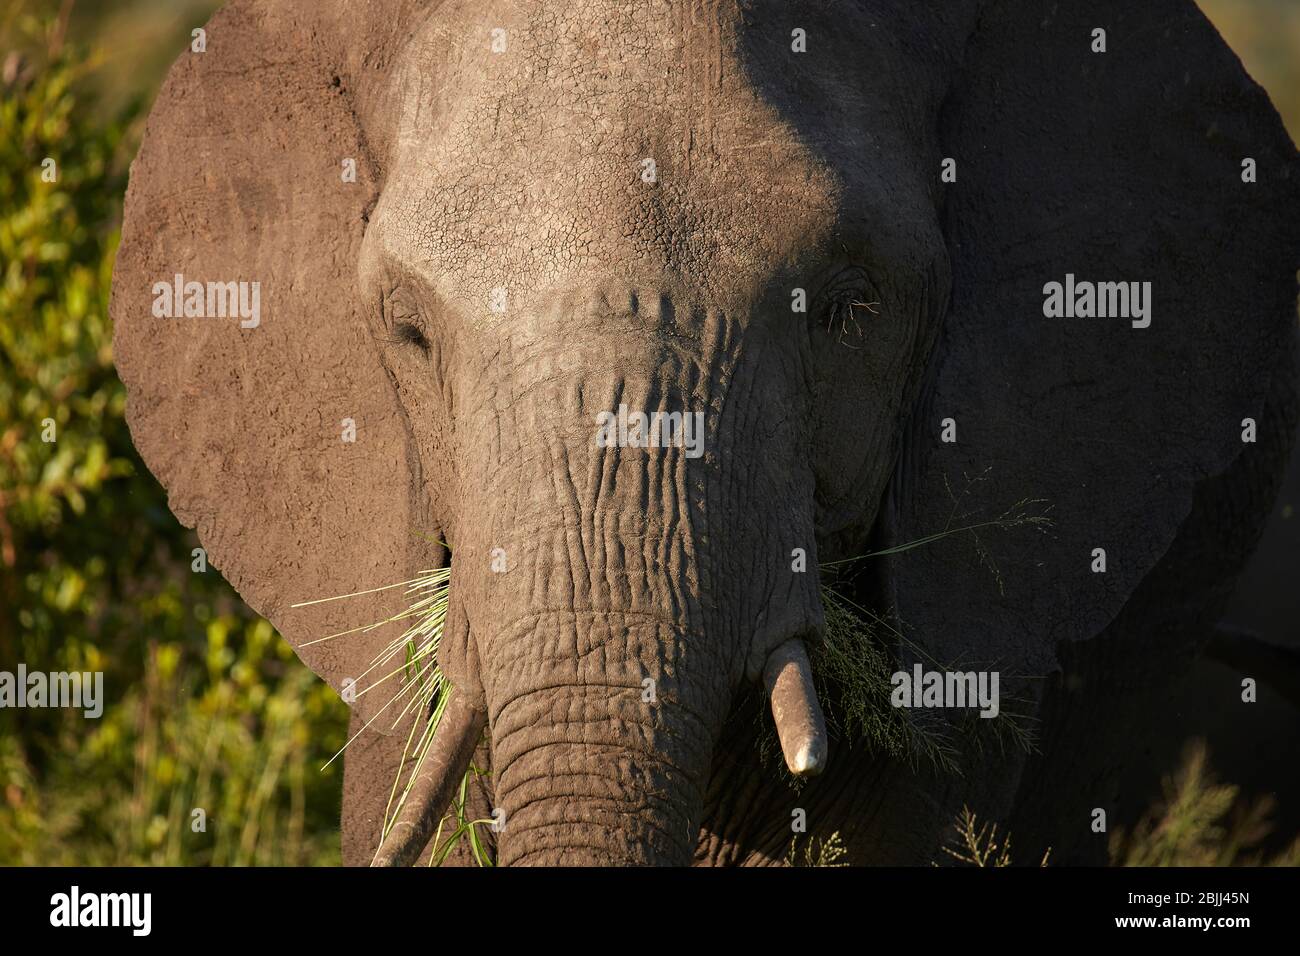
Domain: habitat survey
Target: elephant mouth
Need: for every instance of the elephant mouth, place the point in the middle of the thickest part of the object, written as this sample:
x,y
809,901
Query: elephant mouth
x,y
436,762
848,669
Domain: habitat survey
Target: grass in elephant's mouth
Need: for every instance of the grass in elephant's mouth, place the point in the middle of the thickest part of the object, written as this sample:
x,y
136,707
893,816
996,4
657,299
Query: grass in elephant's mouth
x,y
852,667
860,651
411,658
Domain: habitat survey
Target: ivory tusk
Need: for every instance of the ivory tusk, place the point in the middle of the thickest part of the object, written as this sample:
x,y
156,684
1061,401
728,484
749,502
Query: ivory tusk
x,y
799,721
444,766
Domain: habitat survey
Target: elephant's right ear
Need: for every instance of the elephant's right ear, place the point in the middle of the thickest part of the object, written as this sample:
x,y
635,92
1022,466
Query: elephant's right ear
x,y
255,392
1124,242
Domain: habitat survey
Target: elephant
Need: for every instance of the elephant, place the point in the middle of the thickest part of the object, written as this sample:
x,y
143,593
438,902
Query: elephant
x,y
910,267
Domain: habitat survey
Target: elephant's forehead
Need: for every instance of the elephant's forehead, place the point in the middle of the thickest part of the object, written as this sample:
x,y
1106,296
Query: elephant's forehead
x,y
611,143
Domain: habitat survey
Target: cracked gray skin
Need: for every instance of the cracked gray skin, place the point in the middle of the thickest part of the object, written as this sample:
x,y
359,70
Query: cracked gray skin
x,y
774,170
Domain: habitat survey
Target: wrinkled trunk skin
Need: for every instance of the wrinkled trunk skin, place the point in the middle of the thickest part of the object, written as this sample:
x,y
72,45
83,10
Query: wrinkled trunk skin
x,y
611,600
591,773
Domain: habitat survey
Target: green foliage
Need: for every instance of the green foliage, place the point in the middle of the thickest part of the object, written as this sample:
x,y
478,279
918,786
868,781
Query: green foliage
x,y
829,852
853,667
462,828
854,663
978,844
427,694
206,707
1198,822
1201,822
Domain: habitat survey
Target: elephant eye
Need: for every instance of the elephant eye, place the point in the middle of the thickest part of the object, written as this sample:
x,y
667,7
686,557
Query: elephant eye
x,y
847,314
406,333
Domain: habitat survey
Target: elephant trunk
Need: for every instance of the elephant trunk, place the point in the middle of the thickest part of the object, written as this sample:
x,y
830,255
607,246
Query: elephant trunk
x,y
621,567
603,770
609,775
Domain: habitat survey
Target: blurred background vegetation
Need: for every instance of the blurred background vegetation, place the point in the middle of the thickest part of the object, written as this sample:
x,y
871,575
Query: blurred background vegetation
x,y
206,706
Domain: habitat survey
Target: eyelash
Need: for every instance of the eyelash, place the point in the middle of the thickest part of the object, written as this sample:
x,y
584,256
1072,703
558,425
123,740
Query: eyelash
x,y
844,308
406,333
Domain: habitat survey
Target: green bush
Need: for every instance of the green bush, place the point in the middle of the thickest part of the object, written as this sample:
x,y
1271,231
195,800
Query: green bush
x,y
205,706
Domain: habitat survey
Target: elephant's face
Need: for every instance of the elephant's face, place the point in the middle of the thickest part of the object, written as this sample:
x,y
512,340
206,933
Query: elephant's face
x,y
570,215
559,238
615,214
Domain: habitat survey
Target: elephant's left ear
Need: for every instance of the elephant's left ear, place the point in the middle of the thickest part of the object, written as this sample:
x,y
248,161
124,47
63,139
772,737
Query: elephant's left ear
x,y
1124,243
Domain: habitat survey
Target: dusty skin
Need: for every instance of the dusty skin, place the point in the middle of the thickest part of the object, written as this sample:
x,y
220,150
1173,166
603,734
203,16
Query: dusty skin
x,y
504,269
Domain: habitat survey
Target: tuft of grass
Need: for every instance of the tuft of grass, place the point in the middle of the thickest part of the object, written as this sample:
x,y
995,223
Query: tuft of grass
x,y
829,852
852,668
978,844
411,661
1197,822
411,657
1200,822
854,662
464,828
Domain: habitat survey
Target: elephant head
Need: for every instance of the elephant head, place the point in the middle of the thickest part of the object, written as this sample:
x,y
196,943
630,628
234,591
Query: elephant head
x,y
810,240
